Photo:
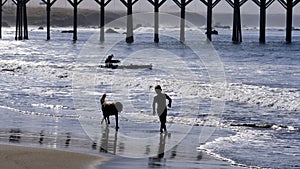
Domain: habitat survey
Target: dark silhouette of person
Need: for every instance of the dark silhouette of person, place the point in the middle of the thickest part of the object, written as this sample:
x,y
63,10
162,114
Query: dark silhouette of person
x,y
159,107
109,62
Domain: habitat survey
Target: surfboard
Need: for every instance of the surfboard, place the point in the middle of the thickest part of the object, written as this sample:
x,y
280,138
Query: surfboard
x,y
128,67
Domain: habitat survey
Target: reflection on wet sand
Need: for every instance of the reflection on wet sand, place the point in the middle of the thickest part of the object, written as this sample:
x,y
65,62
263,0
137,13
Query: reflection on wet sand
x,y
159,160
42,138
15,135
68,140
157,152
107,143
104,140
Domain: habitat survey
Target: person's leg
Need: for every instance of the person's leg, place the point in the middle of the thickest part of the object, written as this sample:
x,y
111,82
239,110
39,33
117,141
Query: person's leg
x,y
117,122
164,124
163,120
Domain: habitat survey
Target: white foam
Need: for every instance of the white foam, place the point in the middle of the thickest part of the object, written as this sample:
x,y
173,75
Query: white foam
x,y
25,112
49,106
276,98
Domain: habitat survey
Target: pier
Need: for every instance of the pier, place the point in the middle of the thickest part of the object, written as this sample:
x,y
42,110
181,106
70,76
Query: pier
x,y
22,25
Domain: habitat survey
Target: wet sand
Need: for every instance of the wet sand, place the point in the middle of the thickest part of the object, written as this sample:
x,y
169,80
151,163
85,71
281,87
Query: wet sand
x,y
17,157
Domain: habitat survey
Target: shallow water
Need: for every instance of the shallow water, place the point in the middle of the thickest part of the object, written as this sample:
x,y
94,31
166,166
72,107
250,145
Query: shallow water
x,y
50,94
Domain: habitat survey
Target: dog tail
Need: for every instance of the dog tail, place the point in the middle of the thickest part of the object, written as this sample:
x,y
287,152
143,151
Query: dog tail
x,y
102,100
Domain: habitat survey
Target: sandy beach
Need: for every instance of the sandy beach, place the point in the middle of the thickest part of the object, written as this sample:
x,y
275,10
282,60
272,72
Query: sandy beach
x,y
17,157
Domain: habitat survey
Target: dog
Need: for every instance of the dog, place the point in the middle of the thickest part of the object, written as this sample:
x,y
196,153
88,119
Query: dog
x,y
110,109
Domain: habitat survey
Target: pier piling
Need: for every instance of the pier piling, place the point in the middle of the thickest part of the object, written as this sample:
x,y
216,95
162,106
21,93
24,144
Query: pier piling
x,y
288,5
129,35
1,5
262,22
156,5
75,4
210,5
289,21
102,4
236,27
49,4
22,25
182,5
21,20
209,19
263,4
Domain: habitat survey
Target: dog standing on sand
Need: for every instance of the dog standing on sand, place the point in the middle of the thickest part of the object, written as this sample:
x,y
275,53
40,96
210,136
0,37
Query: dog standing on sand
x,y
110,109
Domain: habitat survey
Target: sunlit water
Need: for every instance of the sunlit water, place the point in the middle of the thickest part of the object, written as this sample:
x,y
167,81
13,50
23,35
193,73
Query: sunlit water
x,y
50,94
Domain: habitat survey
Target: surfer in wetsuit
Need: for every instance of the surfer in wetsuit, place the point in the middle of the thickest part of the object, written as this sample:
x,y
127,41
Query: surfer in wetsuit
x,y
161,108
109,62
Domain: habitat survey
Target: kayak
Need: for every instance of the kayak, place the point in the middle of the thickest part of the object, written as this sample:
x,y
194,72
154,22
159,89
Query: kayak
x,y
128,67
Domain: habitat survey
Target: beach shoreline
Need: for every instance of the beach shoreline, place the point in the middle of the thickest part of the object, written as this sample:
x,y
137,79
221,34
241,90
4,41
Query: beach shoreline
x,y
33,156
22,157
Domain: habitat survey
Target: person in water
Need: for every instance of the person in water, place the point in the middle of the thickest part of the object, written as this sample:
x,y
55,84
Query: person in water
x,y
109,62
159,107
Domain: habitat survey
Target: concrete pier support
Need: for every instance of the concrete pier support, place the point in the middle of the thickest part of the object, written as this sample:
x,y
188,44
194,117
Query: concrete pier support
x,y
289,5
236,27
102,4
49,4
210,5
75,4
263,4
1,5
21,20
156,5
129,35
182,5
289,21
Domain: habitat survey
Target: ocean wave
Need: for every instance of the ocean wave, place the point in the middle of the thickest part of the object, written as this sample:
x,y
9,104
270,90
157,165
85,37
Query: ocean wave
x,y
266,126
276,98
26,112
49,106
232,162
246,144
149,118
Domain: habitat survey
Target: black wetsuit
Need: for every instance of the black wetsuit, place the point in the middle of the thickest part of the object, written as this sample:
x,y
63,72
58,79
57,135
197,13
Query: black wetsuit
x,y
163,120
109,63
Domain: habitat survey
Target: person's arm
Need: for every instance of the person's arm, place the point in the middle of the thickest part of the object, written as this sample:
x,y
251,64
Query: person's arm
x,y
170,100
153,106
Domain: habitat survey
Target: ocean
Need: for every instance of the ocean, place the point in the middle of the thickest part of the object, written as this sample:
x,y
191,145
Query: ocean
x,y
238,103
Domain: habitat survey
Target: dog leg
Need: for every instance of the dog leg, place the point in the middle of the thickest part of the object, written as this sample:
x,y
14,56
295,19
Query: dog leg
x,y
108,122
117,125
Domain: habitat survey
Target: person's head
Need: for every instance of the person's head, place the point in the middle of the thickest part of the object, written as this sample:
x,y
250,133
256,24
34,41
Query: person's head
x,y
111,56
158,89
